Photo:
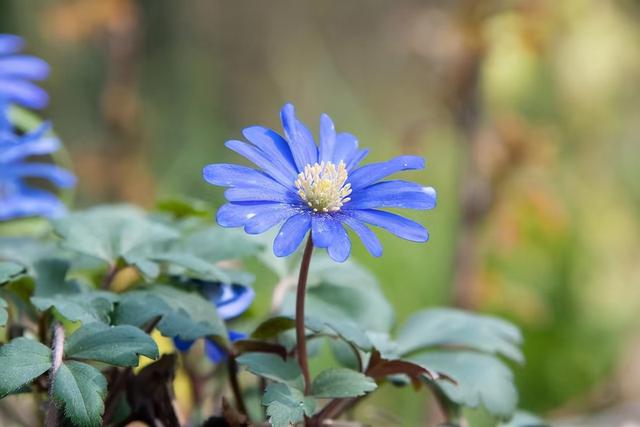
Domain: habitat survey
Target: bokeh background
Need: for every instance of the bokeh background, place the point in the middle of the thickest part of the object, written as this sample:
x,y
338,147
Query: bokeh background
x,y
526,110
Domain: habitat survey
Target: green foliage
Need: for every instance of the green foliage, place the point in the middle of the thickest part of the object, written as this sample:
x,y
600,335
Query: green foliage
x,y
340,383
21,361
524,419
481,379
4,315
10,271
273,367
464,346
80,388
182,314
179,258
69,299
286,405
116,345
445,326
111,233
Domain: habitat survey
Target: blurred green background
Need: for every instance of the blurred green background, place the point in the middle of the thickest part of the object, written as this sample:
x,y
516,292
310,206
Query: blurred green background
x,y
527,112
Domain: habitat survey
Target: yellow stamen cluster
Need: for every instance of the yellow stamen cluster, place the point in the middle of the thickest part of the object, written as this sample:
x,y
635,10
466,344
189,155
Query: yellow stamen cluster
x,y
323,186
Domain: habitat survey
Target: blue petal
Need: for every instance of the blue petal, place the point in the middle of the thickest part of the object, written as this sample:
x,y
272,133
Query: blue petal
x,y
303,148
327,138
23,93
10,44
214,352
340,247
327,232
182,345
356,159
237,214
393,194
236,336
24,66
261,194
233,300
266,220
22,150
227,175
368,237
322,230
55,174
291,234
374,172
30,202
400,226
261,160
345,149
273,145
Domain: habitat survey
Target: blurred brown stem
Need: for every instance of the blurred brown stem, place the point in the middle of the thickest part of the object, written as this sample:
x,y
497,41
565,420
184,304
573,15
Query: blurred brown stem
x,y
57,348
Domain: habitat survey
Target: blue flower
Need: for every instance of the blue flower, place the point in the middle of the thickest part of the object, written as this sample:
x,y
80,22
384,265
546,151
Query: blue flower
x,y
230,301
17,73
17,198
321,189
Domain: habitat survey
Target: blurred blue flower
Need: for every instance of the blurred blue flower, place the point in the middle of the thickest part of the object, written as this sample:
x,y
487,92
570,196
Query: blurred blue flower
x,y
230,301
316,188
17,198
17,73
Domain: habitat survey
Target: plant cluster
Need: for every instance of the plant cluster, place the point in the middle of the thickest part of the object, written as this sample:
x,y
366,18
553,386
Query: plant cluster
x,y
81,297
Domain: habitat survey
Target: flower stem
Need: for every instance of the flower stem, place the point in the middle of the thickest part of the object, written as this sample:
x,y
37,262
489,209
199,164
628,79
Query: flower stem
x,y
301,338
235,385
57,347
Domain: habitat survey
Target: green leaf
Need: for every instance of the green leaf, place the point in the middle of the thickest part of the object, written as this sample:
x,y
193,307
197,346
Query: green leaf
x,y
193,265
21,361
286,405
116,345
449,327
273,367
4,314
273,326
51,274
112,232
70,300
81,389
187,315
10,271
341,382
216,244
482,380
524,419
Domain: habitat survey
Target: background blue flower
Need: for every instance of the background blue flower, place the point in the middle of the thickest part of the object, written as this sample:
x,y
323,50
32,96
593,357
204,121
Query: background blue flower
x,y
17,73
18,198
230,301
316,188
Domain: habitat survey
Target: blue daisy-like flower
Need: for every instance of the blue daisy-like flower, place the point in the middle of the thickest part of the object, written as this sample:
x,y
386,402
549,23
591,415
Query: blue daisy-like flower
x,y
18,72
230,301
318,188
17,197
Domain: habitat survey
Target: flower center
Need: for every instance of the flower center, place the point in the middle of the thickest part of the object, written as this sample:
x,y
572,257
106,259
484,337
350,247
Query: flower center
x,y
323,186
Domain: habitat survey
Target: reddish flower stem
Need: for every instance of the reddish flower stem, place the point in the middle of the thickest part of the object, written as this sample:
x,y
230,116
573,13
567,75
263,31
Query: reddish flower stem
x,y
301,338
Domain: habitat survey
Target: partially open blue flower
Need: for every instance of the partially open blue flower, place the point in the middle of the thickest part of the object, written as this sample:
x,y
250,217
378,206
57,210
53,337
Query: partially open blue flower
x,y
17,197
230,301
17,73
316,188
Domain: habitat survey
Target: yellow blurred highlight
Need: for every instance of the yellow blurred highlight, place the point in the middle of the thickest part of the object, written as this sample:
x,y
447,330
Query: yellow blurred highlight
x,y
181,383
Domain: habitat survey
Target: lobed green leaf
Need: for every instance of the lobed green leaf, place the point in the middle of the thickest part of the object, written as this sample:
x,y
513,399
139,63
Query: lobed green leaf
x,y
81,389
286,405
273,367
116,345
21,361
341,383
